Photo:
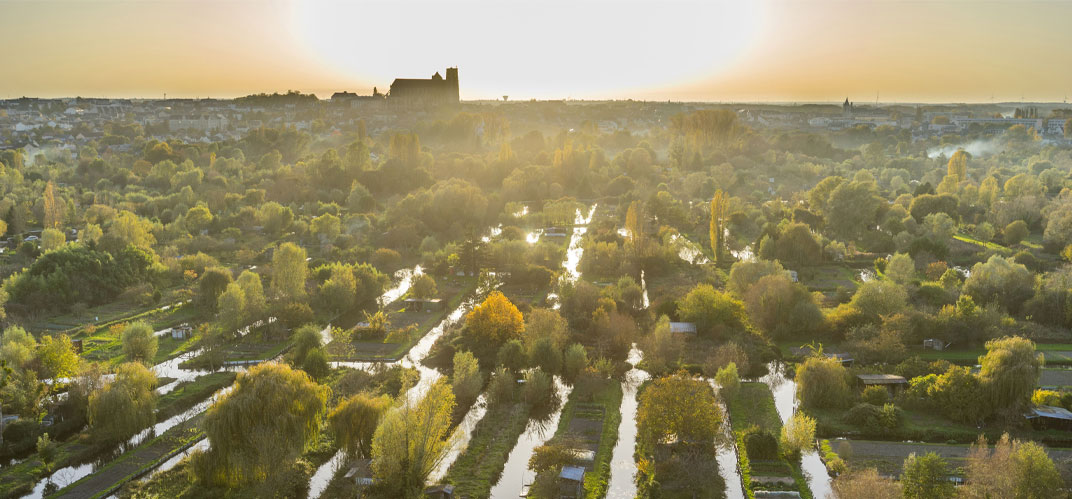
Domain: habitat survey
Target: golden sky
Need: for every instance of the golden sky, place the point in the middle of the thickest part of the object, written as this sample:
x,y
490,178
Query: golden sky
x,y
715,50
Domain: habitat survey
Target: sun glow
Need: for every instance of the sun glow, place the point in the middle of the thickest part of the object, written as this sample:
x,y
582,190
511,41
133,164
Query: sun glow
x,y
557,49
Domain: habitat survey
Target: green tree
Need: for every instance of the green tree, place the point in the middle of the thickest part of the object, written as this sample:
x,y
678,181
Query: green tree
x,y
959,395
512,356
231,308
467,379
822,383
256,306
17,347
1010,372
91,234
46,453
56,357
798,434
124,406
275,217
52,239
139,343
728,381
340,290
128,229
306,339
879,298
327,226
424,287
354,422
852,209
926,477
1010,468
782,308
901,269
212,284
1036,475
714,312
745,273
289,271
197,219
1000,281
270,417
410,441
574,362
1015,232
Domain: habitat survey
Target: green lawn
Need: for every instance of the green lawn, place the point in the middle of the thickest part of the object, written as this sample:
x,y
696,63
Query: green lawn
x,y
988,245
922,426
478,468
607,394
100,344
753,405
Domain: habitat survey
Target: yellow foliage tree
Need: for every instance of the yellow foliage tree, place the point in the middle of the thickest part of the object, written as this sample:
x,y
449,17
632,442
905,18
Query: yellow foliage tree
x,y
678,408
496,320
958,165
718,223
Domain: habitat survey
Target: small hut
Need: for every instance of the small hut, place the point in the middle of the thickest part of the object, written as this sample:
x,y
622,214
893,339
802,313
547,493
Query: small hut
x,y
571,482
892,382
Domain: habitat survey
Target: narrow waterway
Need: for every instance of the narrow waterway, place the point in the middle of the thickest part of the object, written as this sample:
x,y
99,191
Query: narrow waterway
x,y
70,474
516,474
459,440
428,376
688,250
403,280
785,402
322,477
727,452
622,481
574,252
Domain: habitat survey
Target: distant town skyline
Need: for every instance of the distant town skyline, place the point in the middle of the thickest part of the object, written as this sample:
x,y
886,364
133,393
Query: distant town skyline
x,y
730,51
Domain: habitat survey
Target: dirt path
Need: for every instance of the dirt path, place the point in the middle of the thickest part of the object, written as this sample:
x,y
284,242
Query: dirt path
x,y
125,468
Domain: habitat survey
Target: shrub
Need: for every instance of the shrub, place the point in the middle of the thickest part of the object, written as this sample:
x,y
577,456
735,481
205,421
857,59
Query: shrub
x,y
574,362
293,315
728,381
512,355
316,363
798,434
874,419
862,414
875,395
821,383
502,388
539,390
467,379
760,444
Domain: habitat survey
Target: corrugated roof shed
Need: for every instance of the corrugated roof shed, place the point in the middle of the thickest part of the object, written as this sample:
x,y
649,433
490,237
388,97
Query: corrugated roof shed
x,y
881,379
574,473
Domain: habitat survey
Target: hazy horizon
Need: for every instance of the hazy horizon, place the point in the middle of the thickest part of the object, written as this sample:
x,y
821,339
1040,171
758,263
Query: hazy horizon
x,y
774,51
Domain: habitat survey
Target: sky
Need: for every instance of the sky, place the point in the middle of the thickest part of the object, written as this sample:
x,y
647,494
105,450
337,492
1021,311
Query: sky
x,y
696,50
